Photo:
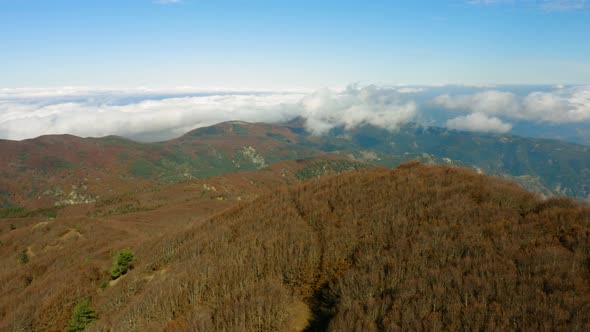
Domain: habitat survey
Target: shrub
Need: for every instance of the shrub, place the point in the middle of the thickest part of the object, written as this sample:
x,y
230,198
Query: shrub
x,y
122,263
104,284
12,212
24,258
82,316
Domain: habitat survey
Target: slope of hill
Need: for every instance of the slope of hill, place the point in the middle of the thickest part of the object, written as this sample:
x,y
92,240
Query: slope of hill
x,y
559,168
417,247
64,170
57,171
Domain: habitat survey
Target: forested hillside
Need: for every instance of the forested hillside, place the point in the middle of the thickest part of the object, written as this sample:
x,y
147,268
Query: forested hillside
x,y
414,248
51,172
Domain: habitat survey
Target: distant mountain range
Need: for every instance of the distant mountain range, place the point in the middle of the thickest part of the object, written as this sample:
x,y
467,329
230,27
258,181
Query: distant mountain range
x,y
63,170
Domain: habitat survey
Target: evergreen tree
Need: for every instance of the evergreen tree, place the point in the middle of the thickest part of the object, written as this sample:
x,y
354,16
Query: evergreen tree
x,y
82,316
122,263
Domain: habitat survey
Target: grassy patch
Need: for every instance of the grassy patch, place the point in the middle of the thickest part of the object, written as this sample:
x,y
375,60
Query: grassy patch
x,y
124,209
279,137
12,212
239,129
22,156
321,168
22,212
142,168
52,162
206,131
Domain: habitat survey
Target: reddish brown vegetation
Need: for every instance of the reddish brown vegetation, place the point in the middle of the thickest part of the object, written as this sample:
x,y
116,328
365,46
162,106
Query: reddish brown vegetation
x,y
37,173
414,248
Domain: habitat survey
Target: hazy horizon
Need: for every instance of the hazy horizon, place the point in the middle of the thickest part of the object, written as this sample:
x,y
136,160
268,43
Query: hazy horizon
x,y
155,69
560,112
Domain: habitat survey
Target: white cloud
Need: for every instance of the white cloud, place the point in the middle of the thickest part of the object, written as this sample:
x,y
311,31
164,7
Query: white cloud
x,y
158,114
410,90
565,105
561,106
170,117
479,122
163,114
489,102
381,107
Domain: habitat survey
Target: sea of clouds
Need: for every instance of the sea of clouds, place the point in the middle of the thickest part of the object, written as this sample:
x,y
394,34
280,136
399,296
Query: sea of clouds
x,y
562,105
160,114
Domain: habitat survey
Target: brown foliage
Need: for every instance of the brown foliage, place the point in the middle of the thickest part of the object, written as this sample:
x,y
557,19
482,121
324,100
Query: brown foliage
x,y
415,248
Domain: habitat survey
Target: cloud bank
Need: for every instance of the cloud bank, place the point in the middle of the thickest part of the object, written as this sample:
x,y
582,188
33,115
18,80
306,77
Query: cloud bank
x,y
160,114
163,114
384,108
130,115
479,122
561,106
487,102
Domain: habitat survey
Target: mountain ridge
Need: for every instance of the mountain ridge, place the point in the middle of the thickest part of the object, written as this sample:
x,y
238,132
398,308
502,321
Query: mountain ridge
x,y
35,168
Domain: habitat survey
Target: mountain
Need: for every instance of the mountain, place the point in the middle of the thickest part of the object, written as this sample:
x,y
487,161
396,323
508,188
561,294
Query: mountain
x,y
548,166
418,247
51,172
63,170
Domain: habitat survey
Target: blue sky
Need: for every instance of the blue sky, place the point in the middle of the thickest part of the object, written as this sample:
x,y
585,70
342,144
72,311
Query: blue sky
x,y
289,44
